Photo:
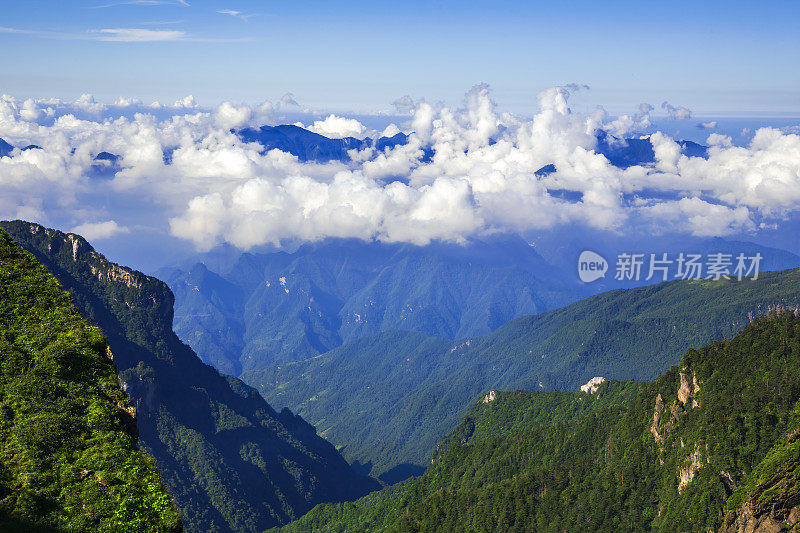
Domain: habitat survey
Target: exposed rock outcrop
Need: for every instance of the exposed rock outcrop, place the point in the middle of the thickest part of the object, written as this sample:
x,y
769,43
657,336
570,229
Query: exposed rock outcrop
x,y
688,389
593,384
687,473
657,412
753,519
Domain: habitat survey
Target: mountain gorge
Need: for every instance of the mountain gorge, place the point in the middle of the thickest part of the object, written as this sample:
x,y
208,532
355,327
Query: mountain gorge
x,y
229,460
387,399
710,445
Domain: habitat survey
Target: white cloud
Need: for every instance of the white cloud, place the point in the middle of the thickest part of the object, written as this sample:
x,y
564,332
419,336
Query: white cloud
x,y
390,131
229,116
676,112
192,177
187,102
699,217
236,14
97,231
338,127
139,35
707,125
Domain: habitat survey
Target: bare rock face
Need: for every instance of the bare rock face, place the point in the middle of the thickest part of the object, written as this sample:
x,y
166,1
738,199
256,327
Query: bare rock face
x,y
687,473
688,389
593,384
657,412
727,479
489,397
751,519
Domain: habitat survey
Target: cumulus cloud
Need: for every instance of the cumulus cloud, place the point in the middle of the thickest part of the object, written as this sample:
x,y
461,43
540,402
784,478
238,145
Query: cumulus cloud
x,y
97,231
338,127
228,115
711,125
698,217
466,170
627,124
187,102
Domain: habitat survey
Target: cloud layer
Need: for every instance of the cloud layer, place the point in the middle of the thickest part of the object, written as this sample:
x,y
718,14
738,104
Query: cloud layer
x,y
465,171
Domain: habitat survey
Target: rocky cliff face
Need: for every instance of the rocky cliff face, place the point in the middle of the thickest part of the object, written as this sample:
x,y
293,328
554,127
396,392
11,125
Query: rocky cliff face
x,y
229,460
770,502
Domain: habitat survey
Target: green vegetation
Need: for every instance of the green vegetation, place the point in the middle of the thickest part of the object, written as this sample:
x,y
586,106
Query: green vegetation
x,y
68,456
387,399
230,461
664,456
777,478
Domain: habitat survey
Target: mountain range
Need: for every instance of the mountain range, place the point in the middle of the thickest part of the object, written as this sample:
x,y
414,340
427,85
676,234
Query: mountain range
x,y
232,463
387,399
267,308
246,311
713,444
309,146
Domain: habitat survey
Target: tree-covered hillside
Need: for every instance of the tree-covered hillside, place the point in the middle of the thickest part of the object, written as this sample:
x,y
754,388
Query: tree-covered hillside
x,y
229,460
387,399
68,455
712,443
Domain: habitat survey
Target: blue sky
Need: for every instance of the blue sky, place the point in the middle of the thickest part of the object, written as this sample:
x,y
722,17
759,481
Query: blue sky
x,y
717,58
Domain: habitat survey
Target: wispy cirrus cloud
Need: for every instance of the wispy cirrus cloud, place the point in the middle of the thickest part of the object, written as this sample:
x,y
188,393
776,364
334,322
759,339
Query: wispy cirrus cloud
x,y
107,34
148,3
138,35
236,14
121,35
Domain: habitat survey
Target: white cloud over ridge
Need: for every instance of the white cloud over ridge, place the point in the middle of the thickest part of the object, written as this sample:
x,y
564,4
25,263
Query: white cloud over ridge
x,y
96,231
464,172
337,127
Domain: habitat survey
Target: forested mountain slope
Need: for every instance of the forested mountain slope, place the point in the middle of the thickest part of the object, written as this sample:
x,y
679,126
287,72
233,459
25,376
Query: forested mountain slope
x,y
711,444
277,307
68,455
387,399
227,458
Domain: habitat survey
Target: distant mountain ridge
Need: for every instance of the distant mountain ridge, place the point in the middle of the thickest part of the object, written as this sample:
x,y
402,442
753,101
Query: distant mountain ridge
x,y
309,146
229,460
388,398
279,307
